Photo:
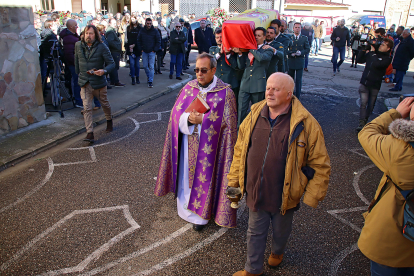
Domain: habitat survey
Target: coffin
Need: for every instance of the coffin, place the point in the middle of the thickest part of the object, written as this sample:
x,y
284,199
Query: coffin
x,y
238,30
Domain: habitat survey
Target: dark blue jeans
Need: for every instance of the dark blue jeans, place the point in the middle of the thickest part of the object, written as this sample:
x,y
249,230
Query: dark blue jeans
x,y
341,52
176,60
306,60
75,86
134,66
399,76
43,69
383,270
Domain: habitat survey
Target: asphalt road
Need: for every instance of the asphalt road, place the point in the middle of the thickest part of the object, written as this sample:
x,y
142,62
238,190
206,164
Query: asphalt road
x,y
81,210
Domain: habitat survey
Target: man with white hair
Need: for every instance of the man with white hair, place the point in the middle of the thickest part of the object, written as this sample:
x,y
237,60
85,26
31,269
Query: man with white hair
x,y
403,54
274,181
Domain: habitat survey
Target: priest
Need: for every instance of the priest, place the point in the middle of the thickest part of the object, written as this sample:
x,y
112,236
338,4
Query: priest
x,y
198,149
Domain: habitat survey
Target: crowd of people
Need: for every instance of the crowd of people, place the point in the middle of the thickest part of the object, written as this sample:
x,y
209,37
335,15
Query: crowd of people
x,y
240,124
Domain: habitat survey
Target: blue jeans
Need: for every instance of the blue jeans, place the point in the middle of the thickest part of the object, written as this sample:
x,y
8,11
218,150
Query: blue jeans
x,y
320,44
315,46
148,60
134,66
336,51
176,60
75,86
399,76
383,270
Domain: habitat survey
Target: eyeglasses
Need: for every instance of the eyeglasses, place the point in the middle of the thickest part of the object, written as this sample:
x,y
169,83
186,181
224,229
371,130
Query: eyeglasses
x,y
203,70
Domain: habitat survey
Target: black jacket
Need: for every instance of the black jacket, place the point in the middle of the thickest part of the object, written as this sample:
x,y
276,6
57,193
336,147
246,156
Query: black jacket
x,y
132,36
149,40
404,53
375,67
190,39
204,39
94,58
344,37
48,38
115,44
177,45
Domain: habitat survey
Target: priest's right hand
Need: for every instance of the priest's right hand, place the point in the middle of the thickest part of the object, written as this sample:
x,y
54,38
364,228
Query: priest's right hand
x,y
195,117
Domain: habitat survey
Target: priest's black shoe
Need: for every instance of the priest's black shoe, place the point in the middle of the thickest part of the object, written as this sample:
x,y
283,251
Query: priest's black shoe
x,y
198,227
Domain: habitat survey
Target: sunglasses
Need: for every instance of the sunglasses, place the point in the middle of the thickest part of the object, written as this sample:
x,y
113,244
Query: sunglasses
x,y
204,71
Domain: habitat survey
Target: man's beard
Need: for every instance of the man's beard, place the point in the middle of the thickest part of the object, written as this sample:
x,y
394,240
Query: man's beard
x,y
268,40
90,40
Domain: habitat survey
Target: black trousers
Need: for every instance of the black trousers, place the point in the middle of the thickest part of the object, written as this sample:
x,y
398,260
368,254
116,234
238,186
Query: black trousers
x,y
368,98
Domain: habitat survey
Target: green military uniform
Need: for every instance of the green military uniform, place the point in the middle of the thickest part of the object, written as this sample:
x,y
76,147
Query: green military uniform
x,y
276,59
285,40
227,73
253,83
297,63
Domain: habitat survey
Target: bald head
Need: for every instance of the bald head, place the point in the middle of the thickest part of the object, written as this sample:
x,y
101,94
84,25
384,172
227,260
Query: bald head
x,y
72,25
406,33
279,91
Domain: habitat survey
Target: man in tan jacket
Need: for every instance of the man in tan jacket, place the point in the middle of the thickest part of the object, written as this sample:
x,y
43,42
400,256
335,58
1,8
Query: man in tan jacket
x,y
318,32
279,156
388,140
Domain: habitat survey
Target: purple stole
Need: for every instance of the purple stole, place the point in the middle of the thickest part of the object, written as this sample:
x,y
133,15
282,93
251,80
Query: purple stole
x,y
202,190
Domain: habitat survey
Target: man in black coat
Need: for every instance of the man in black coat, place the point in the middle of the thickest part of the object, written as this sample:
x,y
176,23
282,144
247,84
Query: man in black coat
x,y
115,46
377,62
149,42
48,38
190,40
403,54
204,37
177,50
340,38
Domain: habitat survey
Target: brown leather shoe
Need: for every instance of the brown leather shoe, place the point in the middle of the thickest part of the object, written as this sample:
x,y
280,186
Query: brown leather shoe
x,y
275,260
109,127
245,273
89,138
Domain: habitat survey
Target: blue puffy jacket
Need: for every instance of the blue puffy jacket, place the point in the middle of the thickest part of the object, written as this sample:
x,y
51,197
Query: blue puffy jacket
x,y
149,40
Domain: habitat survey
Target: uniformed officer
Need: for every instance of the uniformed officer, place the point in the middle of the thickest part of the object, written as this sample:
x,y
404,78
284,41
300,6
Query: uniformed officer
x,y
296,57
285,40
227,73
255,64
277,49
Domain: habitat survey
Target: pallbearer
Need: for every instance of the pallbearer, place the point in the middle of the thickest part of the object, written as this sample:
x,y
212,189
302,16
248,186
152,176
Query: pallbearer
x,y
198,148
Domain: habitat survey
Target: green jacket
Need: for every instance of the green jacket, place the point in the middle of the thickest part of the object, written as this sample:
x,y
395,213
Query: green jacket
x,y
227,73
97,57
285,40
254,76
115,44
302,45
276,59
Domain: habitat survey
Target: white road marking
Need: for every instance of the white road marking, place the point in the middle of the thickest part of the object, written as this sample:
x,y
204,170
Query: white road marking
x,y
94,256
340,94
93,159
35,189
137,253
344,253
191,250
341,256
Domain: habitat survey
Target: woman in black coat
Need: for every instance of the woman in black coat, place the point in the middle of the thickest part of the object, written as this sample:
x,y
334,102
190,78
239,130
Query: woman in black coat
x,y
355,42
132,49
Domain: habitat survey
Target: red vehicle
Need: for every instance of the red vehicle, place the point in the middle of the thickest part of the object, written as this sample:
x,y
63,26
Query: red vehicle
x,y
329,22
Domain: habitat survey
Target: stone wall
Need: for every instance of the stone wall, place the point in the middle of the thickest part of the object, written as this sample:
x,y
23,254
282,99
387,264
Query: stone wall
x,y
397,6
21,96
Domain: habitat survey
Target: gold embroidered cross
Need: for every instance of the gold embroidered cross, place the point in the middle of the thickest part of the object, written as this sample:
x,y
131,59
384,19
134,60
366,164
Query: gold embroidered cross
x,y
207,149
196,204
210,132
215,100
179,106
213,116
188,93
200,191
205,164
202,178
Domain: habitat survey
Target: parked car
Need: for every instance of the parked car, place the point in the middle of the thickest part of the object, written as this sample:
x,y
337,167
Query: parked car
x,y
364,19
